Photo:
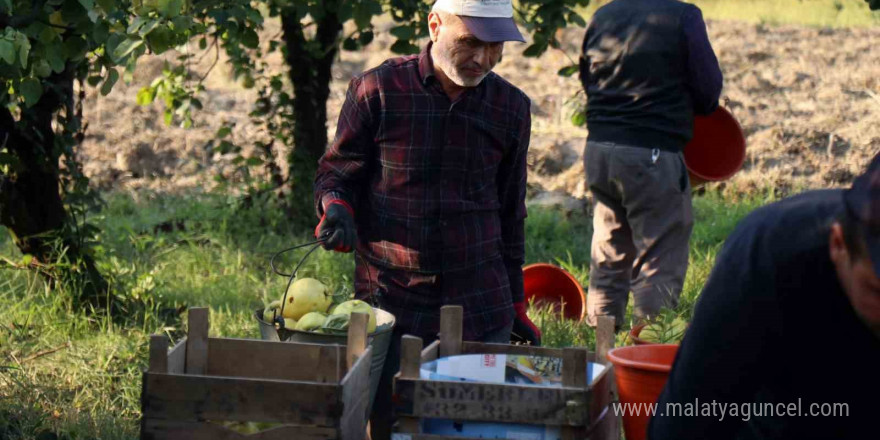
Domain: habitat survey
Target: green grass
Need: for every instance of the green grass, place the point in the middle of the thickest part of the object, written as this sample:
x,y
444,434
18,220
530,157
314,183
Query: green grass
x,y
217,255
820,13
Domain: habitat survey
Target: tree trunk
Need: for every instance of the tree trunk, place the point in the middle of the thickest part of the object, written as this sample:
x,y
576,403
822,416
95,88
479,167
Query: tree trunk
x,y
31,206
310,75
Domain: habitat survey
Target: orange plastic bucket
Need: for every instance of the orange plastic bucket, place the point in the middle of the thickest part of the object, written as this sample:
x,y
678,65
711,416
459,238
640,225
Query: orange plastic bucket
x,y
546,282
640,372
717,150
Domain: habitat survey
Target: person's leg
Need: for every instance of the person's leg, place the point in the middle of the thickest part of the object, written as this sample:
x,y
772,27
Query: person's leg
x,y
499,335
612,251
658,204
409,297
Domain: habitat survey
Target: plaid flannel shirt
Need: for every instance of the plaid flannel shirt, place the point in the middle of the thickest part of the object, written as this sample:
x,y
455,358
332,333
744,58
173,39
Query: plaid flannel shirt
x,y
436,186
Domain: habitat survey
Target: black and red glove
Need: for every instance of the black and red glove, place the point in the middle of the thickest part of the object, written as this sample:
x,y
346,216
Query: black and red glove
x,y
524,330
337,224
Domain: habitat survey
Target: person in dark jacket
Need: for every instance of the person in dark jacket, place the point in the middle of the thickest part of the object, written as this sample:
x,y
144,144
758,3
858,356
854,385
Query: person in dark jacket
x,y
785,338
647,67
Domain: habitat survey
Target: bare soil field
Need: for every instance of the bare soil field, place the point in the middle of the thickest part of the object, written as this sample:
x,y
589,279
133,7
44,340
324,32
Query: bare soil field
x,y
807,98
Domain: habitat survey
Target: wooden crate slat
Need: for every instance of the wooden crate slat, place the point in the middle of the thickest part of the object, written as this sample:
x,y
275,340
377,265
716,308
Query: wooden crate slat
x,y
410,353
274,360
604,337
492,402
431,352
158,354
197,341
177,357
603,421
178,430
192,398
451,324
356,397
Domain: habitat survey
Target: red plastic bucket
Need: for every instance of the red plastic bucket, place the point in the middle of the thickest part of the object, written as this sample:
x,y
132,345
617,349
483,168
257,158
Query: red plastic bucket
x,y
546,282
717,150
640,372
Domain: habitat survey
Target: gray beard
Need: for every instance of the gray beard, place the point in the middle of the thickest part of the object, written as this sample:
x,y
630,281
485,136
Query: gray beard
x,y
438,54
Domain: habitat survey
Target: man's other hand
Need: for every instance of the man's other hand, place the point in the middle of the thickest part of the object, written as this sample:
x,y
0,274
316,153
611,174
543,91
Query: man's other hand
x,y
337,225
524,330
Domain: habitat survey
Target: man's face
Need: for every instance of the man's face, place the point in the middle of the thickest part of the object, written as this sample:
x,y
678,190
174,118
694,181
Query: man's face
x,y
859,281
464,59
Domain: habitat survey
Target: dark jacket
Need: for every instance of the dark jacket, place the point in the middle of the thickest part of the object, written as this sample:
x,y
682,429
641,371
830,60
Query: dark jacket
x,y
647,67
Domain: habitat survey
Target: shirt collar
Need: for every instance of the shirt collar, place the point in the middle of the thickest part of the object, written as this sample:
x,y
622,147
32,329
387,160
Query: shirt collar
x,y
426,64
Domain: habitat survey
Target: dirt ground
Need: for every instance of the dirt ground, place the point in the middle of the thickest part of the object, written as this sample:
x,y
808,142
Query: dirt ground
x,y
807,98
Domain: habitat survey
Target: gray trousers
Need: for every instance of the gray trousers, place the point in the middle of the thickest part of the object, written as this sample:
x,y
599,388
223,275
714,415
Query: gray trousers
x,y
642,221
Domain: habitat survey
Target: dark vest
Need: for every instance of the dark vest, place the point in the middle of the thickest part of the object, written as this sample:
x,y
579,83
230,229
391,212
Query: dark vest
x,y
636,90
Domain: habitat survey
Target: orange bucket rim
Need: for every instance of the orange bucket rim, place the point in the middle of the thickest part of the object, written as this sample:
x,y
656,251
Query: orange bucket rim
x,y
641,365
574,281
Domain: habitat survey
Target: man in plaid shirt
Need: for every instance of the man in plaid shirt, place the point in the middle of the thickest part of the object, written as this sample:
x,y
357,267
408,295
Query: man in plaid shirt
x,y
426,179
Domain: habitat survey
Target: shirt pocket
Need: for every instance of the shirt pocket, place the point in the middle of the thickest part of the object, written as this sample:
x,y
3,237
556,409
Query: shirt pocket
x,y
485,155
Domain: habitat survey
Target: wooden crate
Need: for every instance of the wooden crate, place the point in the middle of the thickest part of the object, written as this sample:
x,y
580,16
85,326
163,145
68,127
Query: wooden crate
x,y
581,410
314,391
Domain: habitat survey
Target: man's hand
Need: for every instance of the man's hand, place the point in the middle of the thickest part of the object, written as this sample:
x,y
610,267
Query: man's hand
x,y
524,330
338,226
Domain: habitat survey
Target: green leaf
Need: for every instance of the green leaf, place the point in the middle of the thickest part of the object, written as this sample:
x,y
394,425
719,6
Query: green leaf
x,y
403,32
249,38
93,80
365,38
126,47
404,47
253,161
223,132
534,50
75,48
568,70
146,95
31,90
101,32
576,18
112,77
362,14
168,117
54,54
148,27
203,43
7,5
161,39
107,5
87,4
7,51
26,259
225,147
24,49
9,160
349,44
579,118
170,8
182,23
41,68
136,24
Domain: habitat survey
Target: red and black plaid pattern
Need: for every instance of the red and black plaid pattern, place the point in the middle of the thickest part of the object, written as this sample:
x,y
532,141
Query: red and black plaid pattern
x,y
436,186
415,298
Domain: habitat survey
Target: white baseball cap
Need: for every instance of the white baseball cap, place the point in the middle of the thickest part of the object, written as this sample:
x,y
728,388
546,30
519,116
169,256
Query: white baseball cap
x,y
489,20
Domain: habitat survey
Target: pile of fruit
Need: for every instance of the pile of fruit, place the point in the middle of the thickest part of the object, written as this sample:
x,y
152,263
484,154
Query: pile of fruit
x,y
309,307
